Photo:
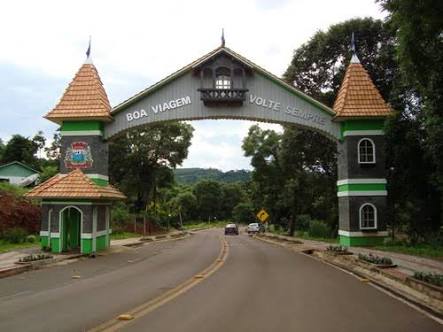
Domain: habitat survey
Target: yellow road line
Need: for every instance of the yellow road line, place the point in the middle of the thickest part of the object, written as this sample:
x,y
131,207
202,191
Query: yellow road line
x,y
151,305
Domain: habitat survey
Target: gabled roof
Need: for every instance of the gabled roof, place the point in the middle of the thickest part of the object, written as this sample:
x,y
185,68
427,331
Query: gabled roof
x,y
358,97
20,164
74,185
207,57
84,98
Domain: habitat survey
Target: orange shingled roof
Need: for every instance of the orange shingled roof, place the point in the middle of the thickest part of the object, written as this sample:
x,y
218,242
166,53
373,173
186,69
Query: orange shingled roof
x,y
358,96
74,185
84,98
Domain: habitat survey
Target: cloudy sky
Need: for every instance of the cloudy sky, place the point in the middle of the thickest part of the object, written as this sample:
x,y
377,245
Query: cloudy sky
x,y
137,43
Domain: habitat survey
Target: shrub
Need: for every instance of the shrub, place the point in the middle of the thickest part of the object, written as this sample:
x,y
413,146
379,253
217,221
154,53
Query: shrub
x,y
318,228
120,213
12,189
302,222
337,249
32,258
375,259
31,238
15,235
432,278
18,212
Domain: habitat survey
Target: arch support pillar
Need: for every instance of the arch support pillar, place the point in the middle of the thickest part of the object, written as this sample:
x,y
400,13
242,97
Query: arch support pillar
x,y
362,182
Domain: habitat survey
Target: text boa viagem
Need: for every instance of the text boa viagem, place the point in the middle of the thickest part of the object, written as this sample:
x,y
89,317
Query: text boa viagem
x,y
159,108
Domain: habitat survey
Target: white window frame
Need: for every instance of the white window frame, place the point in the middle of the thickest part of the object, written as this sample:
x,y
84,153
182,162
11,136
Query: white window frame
x,y
360,216
223,82
358,151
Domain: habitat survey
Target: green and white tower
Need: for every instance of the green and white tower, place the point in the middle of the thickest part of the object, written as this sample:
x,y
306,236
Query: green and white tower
x,y
361,186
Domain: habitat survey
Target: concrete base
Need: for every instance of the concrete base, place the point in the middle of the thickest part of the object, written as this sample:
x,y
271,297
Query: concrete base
x,y
351,241
102,243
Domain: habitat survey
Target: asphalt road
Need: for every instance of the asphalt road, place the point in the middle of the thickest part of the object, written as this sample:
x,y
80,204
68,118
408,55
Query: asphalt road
x,y
50,300
260,287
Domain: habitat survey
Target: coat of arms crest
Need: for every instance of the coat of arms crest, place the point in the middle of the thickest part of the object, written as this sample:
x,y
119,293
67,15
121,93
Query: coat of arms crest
x,y
78,155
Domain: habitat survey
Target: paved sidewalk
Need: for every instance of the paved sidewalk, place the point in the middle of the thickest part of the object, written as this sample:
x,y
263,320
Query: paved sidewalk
x,y
8,259
407,263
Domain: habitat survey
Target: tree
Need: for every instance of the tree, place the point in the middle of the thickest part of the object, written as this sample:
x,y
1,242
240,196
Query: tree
x,y
294,174
141,160
21,149
39,140
232,195
48,172
208,194
53,151
418,26
318,66
2,149
244,213
267,176
184,204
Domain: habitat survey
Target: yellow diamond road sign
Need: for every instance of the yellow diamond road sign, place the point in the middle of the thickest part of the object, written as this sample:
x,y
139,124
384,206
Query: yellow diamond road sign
x,y
263,215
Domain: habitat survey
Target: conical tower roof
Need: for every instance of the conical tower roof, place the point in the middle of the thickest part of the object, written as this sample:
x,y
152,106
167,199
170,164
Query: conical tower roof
x,y
74,185
84,98
358,97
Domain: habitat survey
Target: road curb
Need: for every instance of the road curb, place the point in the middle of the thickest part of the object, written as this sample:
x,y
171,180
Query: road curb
x,y
13,270
35,265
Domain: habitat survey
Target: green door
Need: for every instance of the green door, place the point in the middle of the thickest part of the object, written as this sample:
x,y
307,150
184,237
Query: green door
x,y
71,229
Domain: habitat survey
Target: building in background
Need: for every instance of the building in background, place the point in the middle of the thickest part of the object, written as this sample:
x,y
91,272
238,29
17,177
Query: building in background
x,y
18,174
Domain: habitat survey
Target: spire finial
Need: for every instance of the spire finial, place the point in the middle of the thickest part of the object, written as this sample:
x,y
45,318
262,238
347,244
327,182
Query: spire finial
x,y
354,58
223,38
88,52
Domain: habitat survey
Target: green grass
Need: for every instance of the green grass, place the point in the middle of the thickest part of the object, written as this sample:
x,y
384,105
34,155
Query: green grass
x,y
123,235
305,236
422,250
7,246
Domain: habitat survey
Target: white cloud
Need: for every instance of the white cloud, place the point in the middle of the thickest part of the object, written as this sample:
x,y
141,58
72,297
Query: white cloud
x,y
217,144
138,42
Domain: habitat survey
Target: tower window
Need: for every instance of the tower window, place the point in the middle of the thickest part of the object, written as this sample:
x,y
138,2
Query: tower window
x,y
368,216
366,151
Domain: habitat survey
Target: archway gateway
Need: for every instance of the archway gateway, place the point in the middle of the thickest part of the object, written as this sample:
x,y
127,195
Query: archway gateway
x,y
220,85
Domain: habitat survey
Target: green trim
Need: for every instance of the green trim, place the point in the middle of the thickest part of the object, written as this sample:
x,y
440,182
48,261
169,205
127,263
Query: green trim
x,y
361,187
81,125
350,125
44,241
55,244
101,243
100,182
361,240
86,246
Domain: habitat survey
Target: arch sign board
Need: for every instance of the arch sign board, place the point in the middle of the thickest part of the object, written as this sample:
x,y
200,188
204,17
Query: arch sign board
x,y
179,97
220,85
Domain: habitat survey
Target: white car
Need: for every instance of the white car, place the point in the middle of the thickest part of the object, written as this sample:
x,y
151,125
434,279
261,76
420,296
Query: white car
x,y
254,228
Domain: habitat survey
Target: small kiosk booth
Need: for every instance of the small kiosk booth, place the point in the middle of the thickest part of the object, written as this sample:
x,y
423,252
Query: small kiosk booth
x,y
76,203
